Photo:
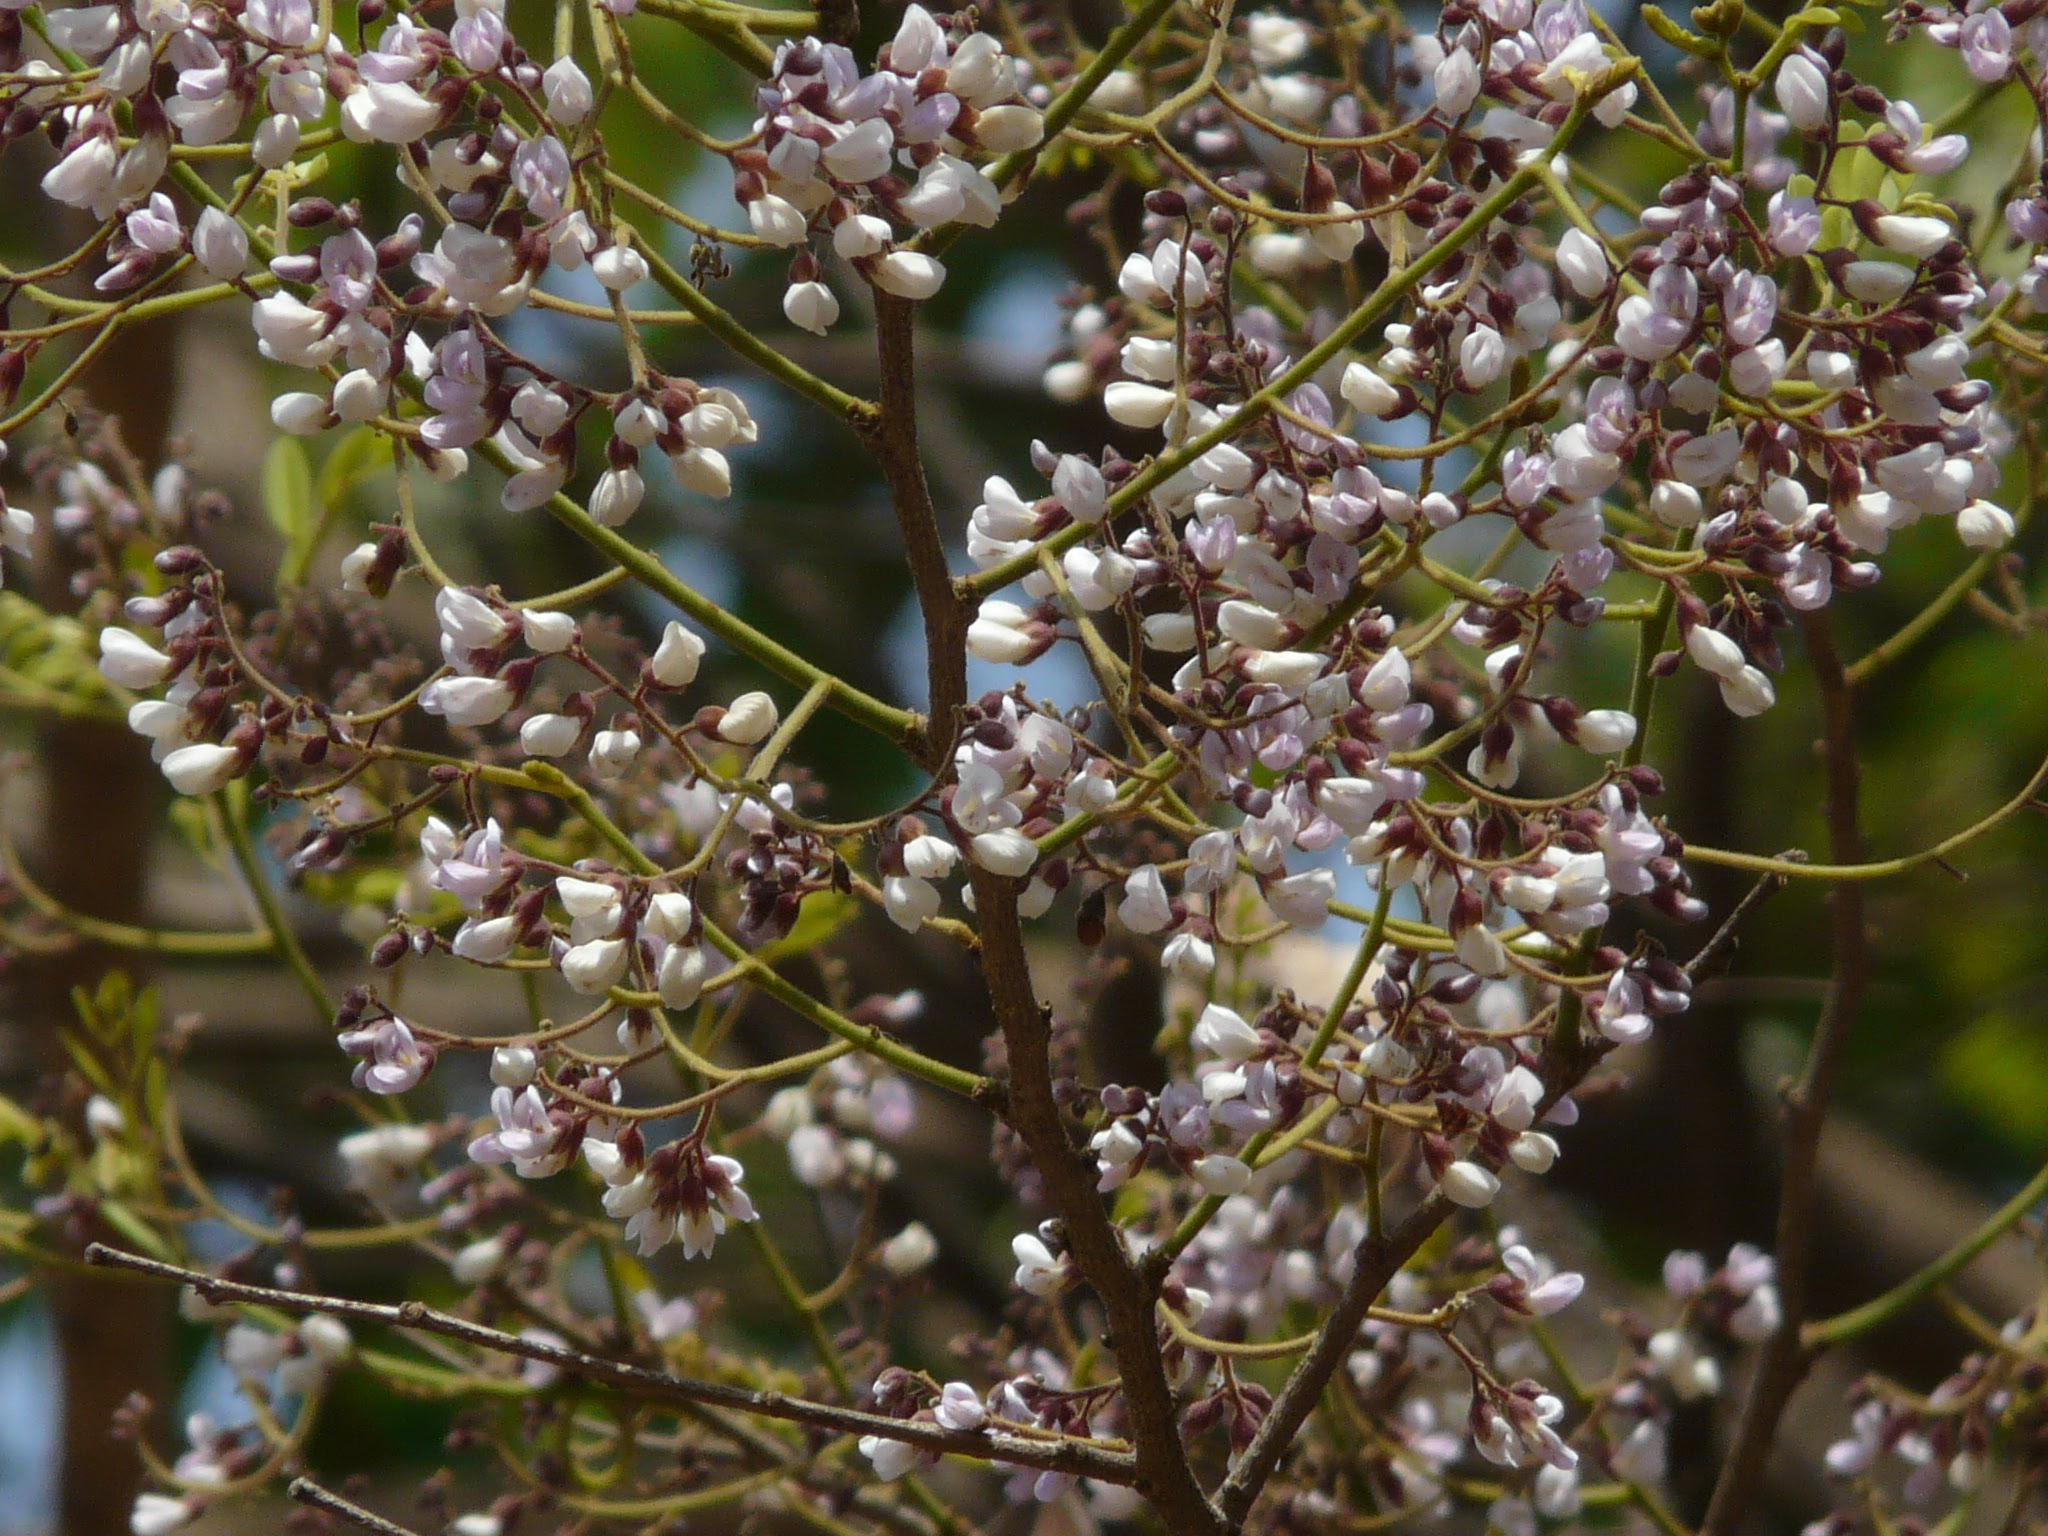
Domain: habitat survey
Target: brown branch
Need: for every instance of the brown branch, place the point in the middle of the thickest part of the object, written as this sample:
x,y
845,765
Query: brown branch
x,y
305,1491
1375,1261
1067,1455
1784,1359
1161,1472
892,439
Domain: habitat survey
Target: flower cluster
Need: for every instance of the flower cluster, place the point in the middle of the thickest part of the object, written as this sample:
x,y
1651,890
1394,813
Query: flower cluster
x,y
1404,411
865,158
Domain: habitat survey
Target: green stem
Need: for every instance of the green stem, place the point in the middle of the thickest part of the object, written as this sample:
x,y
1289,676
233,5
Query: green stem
x,y
1909,1292
236,832
1642,688
899,725
550,780
729,330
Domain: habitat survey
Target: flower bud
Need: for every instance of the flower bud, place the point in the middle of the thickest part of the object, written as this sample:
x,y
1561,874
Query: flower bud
x,y
908,275
748,719
1801,87
677,657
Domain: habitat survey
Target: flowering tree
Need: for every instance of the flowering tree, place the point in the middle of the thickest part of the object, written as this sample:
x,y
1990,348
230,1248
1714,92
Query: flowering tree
x,y
1377,294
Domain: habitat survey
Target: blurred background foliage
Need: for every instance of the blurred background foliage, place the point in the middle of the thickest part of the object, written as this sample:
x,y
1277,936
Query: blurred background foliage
x,y
1949,1067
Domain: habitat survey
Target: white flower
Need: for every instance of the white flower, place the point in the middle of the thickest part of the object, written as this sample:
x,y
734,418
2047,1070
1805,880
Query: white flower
x,y
1223,1033
289,331
85,177
1005,129
810,307
1876,282
677,656
1469,1185
616,496
1482,355
680,976
959,1408
486,941
476,1263
202,768
1005,852
1304,899
514,1066
276,141
1748,692
327,1339
862,153
467,701
388,113
1583,263
467,624
567,88
1456,81
475,269
908,1251
1984,525
619,267
891,1458
300,413
1137,405
1367,392
131,661
1916,235
748,719
1802,90
546,631
1145,907
376,1157
778,221
1758,1317
158,1514
857,235
550,735
670,916
1606,730
909,901
590,969
1714,652
1038,1272
1000,634
908,275
1640,1458
703,470
219,244
1221,1175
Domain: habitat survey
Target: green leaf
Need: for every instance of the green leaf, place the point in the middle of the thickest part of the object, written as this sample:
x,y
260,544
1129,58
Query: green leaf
x,y
288,498
1677,36
355,458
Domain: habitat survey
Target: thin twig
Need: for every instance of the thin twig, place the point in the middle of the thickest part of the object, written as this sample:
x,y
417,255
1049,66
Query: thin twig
x,y
1724,939
306,1491
892,439
1063,1455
